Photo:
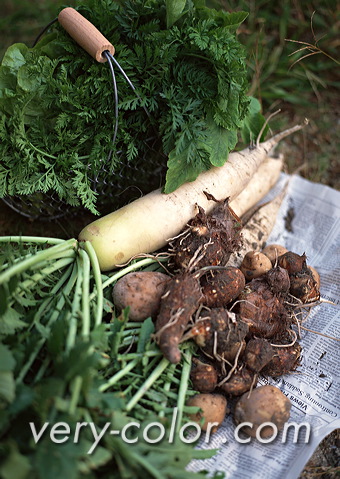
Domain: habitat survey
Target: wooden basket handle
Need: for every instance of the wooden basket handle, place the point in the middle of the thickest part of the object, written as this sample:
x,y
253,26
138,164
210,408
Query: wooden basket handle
x,y
85,34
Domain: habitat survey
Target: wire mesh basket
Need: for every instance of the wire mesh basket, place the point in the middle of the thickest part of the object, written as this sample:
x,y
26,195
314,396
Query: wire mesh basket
x,y
113,189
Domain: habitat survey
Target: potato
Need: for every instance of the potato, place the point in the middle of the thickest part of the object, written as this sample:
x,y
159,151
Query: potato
x,y
255,264
263,404
213,410
273,251
141,291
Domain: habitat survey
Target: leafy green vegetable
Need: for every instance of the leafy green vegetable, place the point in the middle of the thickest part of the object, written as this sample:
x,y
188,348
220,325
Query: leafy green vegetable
x,y
57,105
69,360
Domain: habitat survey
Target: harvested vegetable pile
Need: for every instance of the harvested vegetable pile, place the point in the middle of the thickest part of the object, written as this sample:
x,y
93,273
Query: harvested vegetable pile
x,y
179,338
240,318
95,352
57,104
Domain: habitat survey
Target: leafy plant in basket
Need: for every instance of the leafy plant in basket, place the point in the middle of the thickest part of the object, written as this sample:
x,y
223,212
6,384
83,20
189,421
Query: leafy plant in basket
x,y
57,103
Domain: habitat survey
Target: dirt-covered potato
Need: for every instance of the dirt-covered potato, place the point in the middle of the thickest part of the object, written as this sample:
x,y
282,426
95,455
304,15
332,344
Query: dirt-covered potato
x,y
263,404
141,291
255,264
273,251
213,410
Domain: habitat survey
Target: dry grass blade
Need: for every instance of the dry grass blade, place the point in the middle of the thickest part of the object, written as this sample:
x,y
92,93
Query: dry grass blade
x,y
313,49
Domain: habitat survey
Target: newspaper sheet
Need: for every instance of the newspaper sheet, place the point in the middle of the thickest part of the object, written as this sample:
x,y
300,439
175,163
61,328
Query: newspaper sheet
x,y
308,221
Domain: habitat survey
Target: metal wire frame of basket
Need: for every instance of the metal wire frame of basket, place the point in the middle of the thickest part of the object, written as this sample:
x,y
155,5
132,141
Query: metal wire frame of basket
x,y
114,189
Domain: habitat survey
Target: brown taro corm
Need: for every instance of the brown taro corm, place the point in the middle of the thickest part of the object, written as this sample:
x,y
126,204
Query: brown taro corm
x,y
223,334
292,262
284,361
210,239
203,376
222,286
180,300
257,354
304,287
263,311
302,283
240,382
278,280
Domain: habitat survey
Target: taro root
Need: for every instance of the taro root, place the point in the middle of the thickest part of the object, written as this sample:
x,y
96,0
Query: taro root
x,y
284,361
213,409
203,376
223,335
273,251
263,404
262,310
255,264
315,275
180,300
304,287
239,382
292,262
257,354
141,291
210,240
278,280
221,287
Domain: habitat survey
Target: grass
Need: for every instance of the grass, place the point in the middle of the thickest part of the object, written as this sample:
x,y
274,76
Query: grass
x,y
293,60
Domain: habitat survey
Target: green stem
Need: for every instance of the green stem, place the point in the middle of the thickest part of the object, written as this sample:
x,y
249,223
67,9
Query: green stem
x,y
156,473
53,317
98,281
72,331
116,377
31,239
183,386
53,293
36,258
76,388
166,389
36,277
139,356
147,384
42,370
85,293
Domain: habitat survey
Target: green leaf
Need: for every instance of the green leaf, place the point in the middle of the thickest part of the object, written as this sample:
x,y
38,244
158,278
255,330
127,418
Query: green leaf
x,y
16,465
28,78
179,171
7,383
220,142
174,11
7,386
230,20
146,330
99,457
15,56
3,300
7,361
253,122
54,461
